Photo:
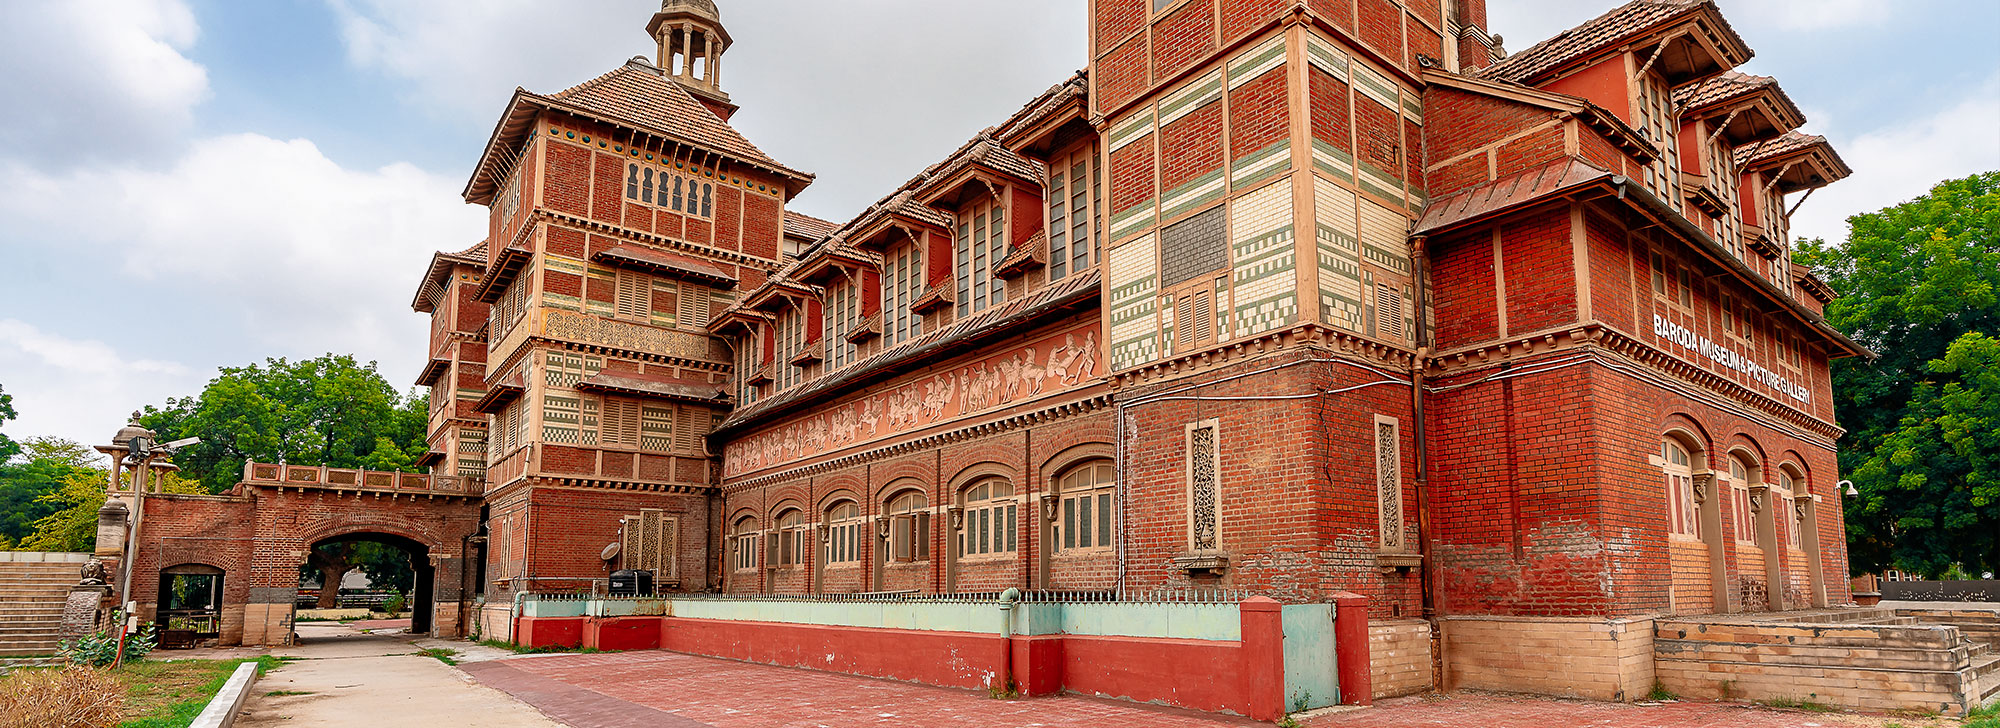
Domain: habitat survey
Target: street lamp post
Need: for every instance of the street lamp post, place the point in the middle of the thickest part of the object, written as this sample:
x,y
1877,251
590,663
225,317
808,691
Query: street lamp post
x,y
141,447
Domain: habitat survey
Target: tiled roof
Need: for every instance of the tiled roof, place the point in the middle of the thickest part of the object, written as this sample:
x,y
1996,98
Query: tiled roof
x,y
640,93
1729,85
941,342
807,226
475,254
1791,142
1583,40
651,385
1510,192
1031,113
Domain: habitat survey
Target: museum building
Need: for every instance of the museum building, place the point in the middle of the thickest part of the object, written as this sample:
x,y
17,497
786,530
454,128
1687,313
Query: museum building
x,y
1285,297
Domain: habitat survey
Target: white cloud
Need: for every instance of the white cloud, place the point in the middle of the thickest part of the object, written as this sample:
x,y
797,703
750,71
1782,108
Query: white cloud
x,y
79,389
271,236
1898,162
100,78
463,57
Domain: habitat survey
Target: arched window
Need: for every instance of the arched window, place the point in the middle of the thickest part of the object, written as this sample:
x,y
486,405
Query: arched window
x,y
909,527
1742,473
793,538
1794,486
646,187
990,511
1086,506
708,200
632,182
677,194
745,536
843,541
1682,517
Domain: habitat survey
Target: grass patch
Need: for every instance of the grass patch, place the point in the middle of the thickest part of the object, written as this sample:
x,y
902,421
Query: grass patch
x,y
548,649
1660,692
1985,717
446,656
1798,704
169,694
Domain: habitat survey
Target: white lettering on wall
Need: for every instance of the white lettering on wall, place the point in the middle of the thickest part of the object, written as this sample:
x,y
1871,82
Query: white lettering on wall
x,y
1727,357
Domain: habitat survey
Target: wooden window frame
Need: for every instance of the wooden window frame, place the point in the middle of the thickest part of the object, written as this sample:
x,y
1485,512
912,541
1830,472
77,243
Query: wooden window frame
x,y
743,539
1683,512
1070,192
1087,507
844,529
991,527
909,527
980,242
903,279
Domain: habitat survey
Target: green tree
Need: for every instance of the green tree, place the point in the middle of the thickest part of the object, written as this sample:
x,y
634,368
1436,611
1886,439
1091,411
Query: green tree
x,y
72,526
387,567
7,446
325,411
1920,284
47,462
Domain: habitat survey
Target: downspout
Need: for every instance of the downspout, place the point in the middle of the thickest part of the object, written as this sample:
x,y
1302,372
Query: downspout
x,y
1428,581
1124,534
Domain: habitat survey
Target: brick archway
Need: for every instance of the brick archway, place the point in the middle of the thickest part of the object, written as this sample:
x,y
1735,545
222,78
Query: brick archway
x,y
260,533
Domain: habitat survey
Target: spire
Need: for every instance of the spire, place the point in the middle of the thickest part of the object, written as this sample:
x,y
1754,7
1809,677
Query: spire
x,y
691,41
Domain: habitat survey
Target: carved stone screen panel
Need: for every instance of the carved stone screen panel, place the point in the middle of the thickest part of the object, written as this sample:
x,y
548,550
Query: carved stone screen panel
x,y
1204,487
1389,483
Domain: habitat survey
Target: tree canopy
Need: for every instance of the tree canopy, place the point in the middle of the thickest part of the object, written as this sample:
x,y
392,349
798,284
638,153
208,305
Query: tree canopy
x,y
1920,285
323,411
8,448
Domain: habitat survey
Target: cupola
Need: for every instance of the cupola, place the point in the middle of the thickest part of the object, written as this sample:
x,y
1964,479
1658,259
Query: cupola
x,y
691,42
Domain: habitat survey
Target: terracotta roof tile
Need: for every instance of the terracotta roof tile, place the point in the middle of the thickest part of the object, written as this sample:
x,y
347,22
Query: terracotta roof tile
x,y
1729,85
1510,192
1588,38
1792,141
807,226
640,93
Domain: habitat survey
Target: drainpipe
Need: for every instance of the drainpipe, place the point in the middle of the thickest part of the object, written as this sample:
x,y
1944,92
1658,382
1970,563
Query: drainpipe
x,y
1428,565
1007,600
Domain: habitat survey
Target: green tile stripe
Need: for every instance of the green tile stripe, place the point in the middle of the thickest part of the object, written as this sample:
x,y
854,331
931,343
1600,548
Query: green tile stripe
x,y
1322,55
1254,62
1375,86
1413,109
1257,317
1379,183
471,394
1185,101
1417,201
557,300
1129,295
1262,164
1131,130
1197,192
1385,257
1133,220
1333,160
566,265
1264,256
1331,238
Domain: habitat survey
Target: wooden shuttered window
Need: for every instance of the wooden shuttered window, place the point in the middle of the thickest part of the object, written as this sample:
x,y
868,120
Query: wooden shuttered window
x,y
651,539
634,299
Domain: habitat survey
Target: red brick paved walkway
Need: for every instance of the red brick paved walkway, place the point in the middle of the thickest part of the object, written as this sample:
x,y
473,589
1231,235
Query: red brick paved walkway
x,y
403,623
672,690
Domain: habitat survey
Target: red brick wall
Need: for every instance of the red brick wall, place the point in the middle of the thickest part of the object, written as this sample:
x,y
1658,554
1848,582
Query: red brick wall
x,y
568,180
1185,36
1191,146
1121,74
1463,291
1132,175
1243,16
1382,27
1458,123
1541,275
1331,122
1259,113
1117,19
763,225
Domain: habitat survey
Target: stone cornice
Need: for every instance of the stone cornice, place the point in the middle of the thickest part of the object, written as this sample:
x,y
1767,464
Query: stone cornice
x,y
1299,335
1602,338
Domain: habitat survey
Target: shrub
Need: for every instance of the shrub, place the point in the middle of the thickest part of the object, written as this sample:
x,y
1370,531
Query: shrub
x,y
394,605
100,648
72,697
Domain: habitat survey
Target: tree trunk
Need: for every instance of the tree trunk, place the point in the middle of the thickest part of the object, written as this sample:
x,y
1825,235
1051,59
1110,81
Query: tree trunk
x,y
329,584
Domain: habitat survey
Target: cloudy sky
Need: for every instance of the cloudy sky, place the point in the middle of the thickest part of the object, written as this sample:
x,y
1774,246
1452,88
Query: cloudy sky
x,y
190,184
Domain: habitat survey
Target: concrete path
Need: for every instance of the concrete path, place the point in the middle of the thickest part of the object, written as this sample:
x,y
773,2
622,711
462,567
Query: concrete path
x,y
345,677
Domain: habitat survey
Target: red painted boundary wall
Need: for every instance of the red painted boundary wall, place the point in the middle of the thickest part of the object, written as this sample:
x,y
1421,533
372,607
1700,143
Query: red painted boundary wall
x,y
1244,677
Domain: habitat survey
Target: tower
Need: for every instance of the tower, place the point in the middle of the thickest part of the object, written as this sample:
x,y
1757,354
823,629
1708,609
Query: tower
x,y
691,42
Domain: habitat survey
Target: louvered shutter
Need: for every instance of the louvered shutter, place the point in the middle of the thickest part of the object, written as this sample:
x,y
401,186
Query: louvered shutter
x,y
1198,324
1389,312
634,298
693,306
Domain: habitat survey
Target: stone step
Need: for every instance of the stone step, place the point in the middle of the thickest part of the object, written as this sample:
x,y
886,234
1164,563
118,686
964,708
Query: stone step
x,y
8,650
38,628
1986,665
15,663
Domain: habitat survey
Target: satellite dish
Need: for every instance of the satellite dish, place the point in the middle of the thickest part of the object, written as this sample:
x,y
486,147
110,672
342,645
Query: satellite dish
x,y
610,552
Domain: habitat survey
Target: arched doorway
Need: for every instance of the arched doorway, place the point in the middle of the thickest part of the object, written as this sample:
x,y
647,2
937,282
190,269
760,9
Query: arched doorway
x,y
189,610
334,558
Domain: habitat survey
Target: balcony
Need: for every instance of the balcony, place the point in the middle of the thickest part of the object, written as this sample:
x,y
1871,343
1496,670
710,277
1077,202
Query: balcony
x,y
303,477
